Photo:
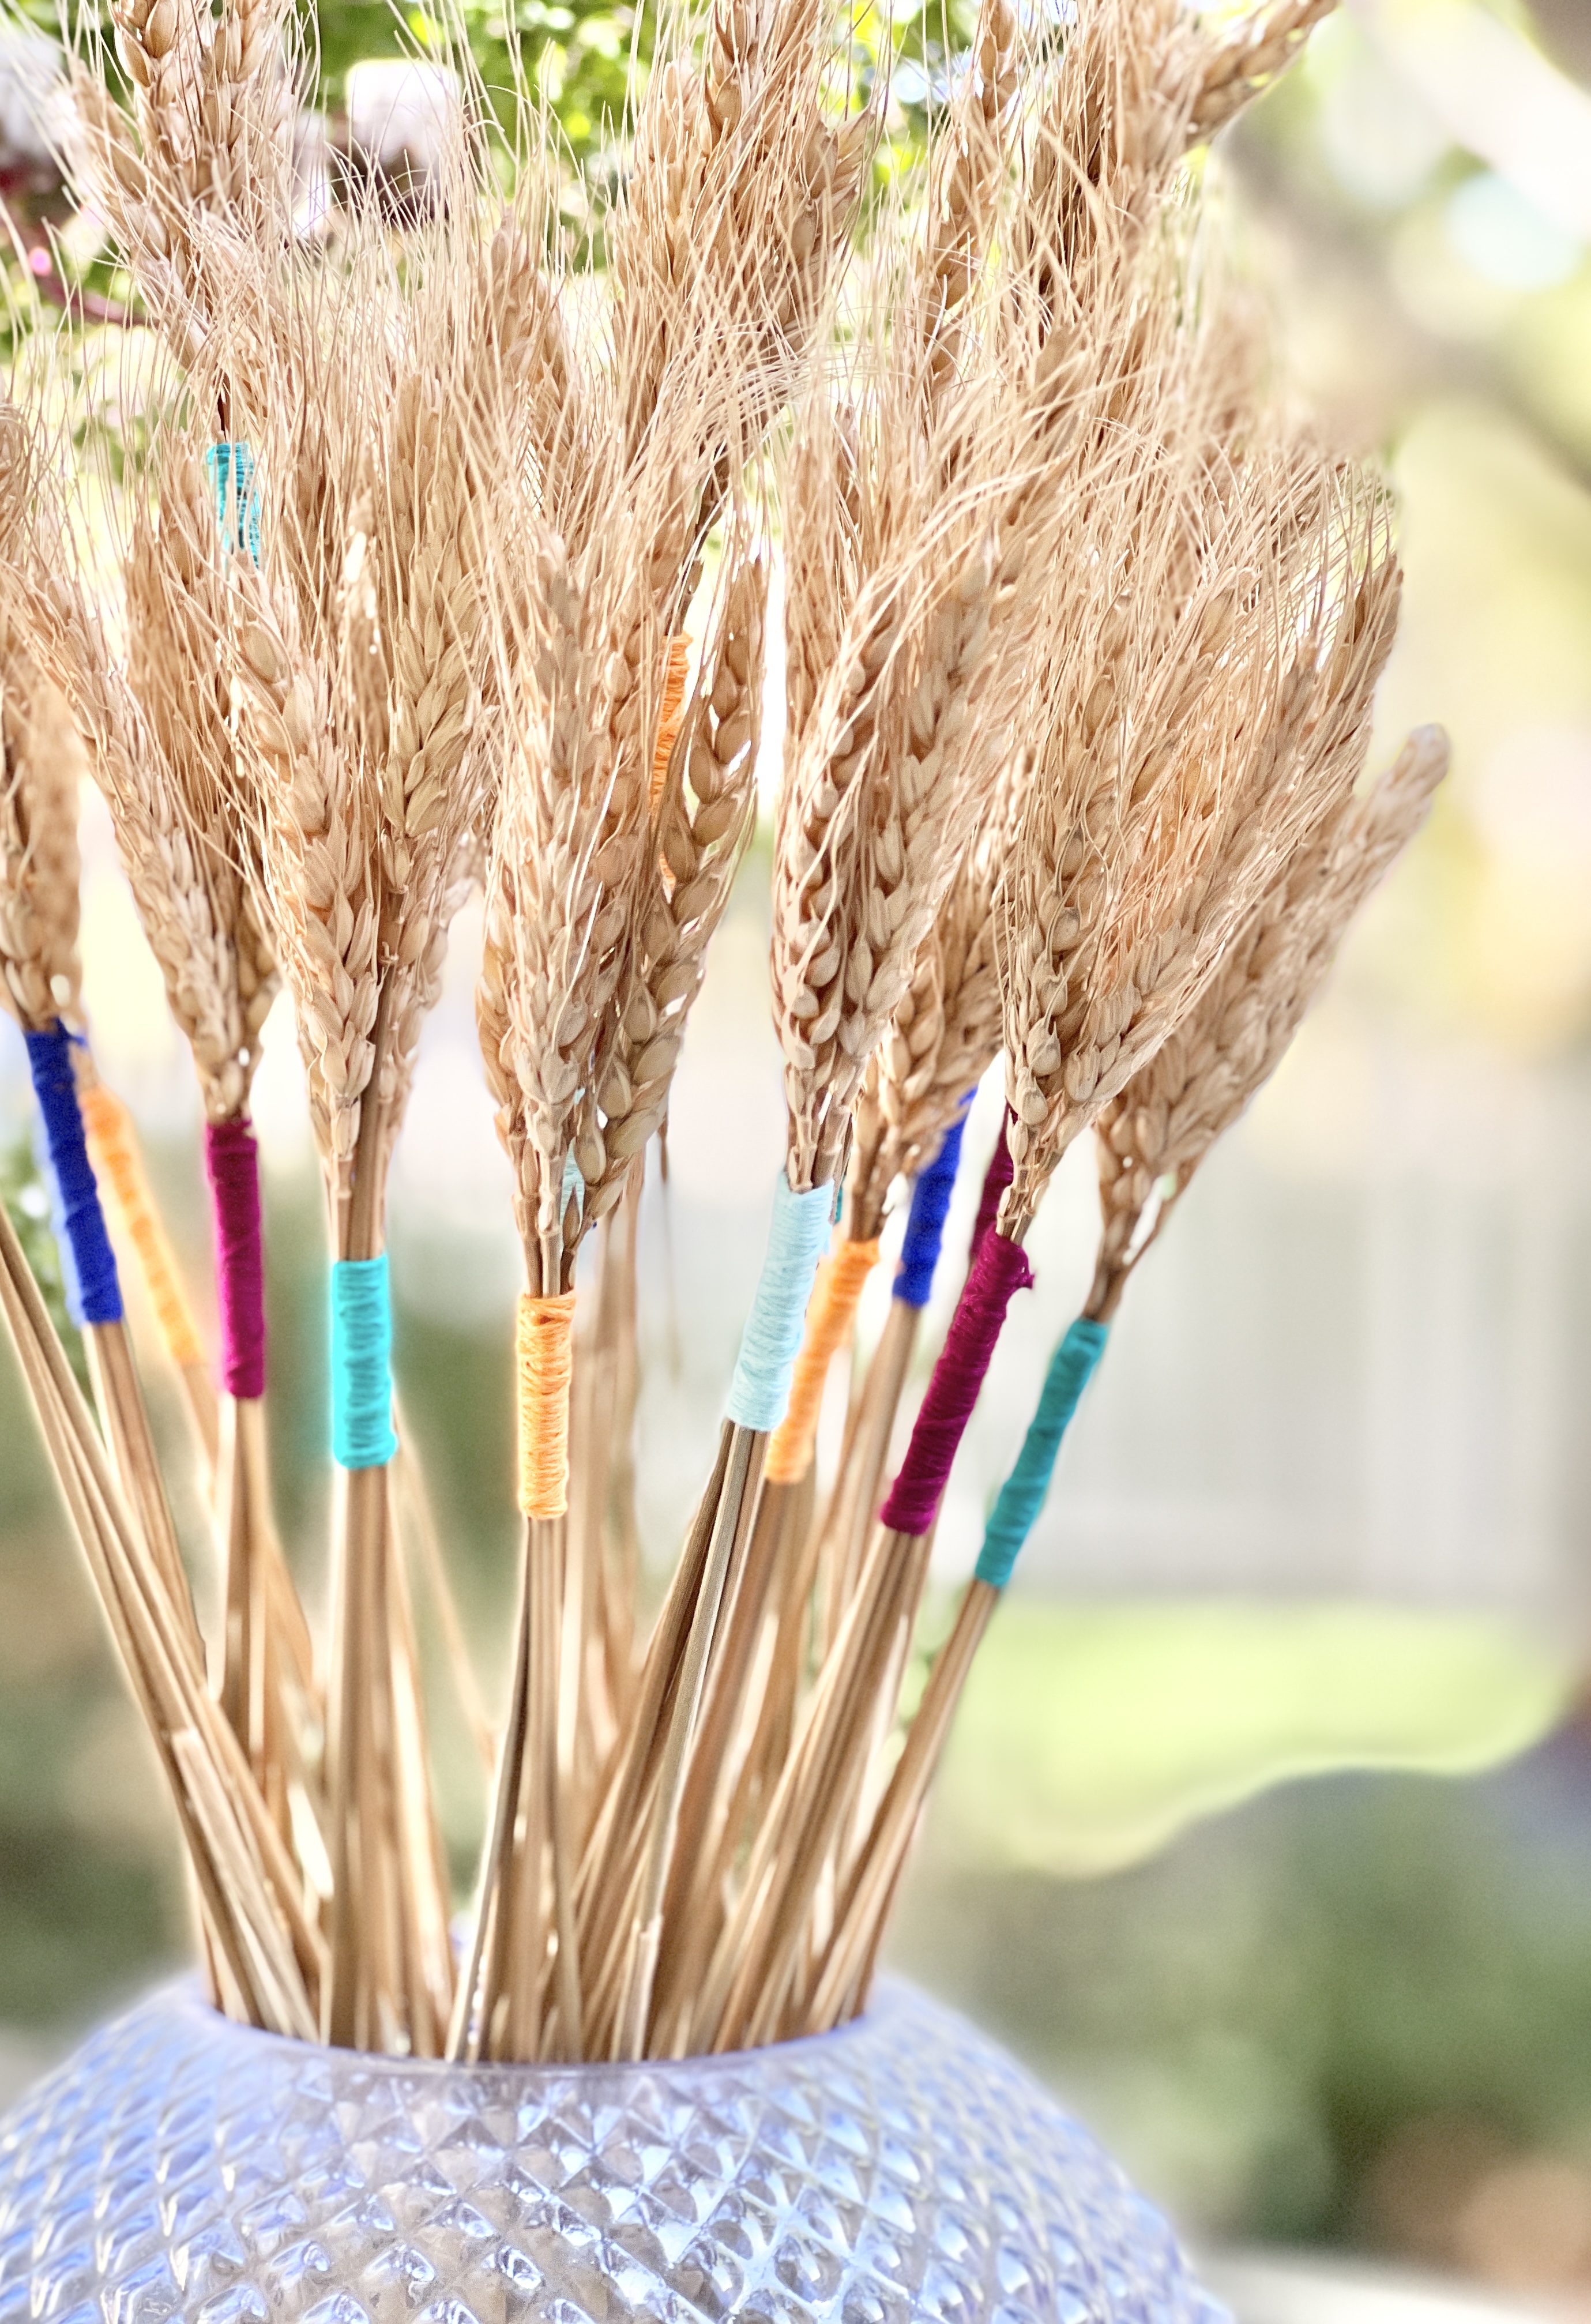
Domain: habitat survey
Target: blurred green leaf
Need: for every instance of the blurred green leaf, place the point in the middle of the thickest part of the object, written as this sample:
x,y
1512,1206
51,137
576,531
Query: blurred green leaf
x,y
1089,1737
26,1195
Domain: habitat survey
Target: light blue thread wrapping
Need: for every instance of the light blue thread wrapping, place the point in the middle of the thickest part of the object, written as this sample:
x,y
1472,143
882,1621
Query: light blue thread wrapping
x,y
771,1341
361,1364
1022,1496
931,1199
231,467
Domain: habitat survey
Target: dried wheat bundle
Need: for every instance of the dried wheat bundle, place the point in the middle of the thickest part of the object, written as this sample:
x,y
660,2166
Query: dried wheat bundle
x,y
63,686
625,805
856,650
1170,814
367,691
613,850
161,752
802,1812
1218,755
454,569
724,247
262,1952
176,621
1226,618
883,789
264,1958
1296,747
1153,1137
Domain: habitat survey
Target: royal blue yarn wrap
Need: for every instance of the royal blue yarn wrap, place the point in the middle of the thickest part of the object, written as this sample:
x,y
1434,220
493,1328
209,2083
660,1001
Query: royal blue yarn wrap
x,y
237,503
1022,1496
771,1341
88,1267
931,1202
363,1435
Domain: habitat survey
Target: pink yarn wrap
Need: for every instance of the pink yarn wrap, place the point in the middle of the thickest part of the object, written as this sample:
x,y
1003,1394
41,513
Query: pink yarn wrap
x,y
232,1165
999,1269
996,1179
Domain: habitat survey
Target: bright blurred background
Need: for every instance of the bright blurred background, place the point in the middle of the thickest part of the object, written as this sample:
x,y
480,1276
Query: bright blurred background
x,y
1267,1832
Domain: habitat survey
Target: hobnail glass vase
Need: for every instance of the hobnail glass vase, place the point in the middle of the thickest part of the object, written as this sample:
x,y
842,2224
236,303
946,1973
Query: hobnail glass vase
x,y
900,2168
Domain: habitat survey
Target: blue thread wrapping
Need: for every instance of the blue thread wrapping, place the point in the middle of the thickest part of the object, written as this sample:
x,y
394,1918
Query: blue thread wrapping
x,y
231,467
92,1293
361,1364
771,1341
931,1202
1022,1496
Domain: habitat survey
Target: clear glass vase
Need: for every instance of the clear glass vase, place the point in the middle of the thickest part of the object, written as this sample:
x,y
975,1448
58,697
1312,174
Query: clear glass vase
x,y
900,2168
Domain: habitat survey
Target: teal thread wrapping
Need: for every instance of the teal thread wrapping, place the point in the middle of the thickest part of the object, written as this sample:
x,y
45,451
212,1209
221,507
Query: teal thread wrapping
x,y
1022,1496
361,1364
771,1341
237,502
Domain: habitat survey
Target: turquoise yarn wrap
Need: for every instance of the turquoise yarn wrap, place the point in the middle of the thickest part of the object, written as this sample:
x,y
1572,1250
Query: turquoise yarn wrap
x,y
1022,1496
231,467
363,1435
771,1341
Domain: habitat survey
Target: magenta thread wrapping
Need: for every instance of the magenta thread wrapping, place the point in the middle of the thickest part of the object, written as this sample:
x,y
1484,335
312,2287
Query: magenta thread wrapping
x,y
232,1164
999,1269
996,1179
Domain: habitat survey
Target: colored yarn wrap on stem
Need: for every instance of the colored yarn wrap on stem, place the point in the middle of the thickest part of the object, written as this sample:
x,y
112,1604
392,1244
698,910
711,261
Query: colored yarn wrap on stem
x,y
996,1179
232,1165
841,1280
92,1293
363,1435
675,670
999,1270
114,1153
925,1231
1022,1496
231,468
771,1341
543,1356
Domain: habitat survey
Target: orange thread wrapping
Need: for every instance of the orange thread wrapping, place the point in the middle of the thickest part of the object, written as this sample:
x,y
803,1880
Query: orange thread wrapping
x,y
829,1317
115,1160
676,671
545,1357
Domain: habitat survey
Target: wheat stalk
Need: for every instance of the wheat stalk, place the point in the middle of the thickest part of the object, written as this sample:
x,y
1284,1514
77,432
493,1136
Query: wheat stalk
x,y
735,216
1171,781
369,706
1289,771
47,635
1239,66
40,970
1154,1135
944,1035
186,847
199,177
267,1955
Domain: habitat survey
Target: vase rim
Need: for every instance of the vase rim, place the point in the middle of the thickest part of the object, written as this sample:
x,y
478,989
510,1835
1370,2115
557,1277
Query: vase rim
x,y
185,1995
